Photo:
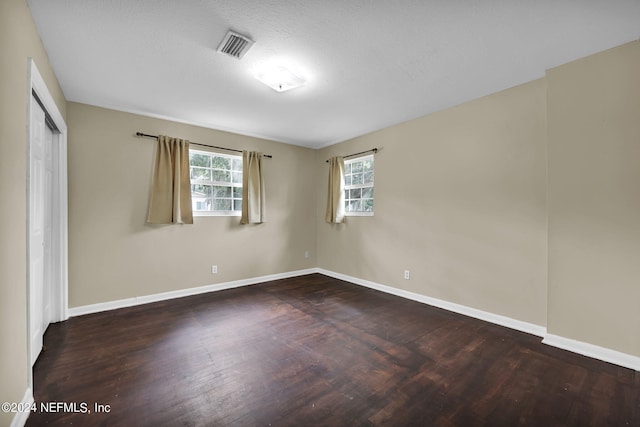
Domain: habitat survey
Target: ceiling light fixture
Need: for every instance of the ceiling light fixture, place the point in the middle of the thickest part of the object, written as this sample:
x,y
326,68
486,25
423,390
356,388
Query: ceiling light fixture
x,y
279,78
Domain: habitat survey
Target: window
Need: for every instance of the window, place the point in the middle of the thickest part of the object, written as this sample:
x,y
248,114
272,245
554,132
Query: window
x,y
216,183
358,189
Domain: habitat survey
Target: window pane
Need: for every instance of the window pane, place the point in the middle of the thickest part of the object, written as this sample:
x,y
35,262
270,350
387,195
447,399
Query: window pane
x,y
198,173
200,190
222,204
196,159
225,170
201,204
222,163
222,191
221,176
359,173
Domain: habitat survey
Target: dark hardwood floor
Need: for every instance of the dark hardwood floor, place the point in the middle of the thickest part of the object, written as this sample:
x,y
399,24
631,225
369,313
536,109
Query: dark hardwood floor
x,y
317,351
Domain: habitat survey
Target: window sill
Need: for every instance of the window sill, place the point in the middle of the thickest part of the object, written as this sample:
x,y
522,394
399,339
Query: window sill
x,y
358,214
210,213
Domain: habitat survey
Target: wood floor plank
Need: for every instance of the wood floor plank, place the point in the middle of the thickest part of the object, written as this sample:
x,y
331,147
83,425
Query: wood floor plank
x,y
314,350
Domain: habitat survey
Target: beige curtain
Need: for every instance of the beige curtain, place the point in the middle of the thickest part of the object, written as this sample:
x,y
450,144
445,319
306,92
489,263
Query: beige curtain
x,y
253,202
170,201
335,194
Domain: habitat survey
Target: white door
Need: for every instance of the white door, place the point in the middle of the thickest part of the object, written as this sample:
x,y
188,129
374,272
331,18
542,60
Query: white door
x,y
47,295
40,173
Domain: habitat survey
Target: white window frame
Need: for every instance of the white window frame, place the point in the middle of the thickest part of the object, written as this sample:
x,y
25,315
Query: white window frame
x,y
349,186
215,183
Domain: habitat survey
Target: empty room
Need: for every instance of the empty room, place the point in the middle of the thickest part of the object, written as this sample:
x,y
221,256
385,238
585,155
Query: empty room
x,y
332,213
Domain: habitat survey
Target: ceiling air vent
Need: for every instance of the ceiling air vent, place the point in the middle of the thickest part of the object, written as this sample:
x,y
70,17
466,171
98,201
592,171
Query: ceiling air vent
x,y
234,44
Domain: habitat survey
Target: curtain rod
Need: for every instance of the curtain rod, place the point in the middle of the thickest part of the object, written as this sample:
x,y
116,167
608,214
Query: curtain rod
x,y
202,145
375,150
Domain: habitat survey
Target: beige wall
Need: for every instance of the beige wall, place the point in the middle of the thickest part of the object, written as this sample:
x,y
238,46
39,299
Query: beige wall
x,y
18,41
460,201
594,199
114,255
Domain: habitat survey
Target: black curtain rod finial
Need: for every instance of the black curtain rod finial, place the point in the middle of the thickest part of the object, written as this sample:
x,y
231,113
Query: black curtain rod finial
x,y
140,134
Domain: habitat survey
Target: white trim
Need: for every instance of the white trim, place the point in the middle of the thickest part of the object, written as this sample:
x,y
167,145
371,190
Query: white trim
x,y
508,322
59,220
589,350
231,185
39,86
20,418
358,214
593,351
217,213
359,186
585,349
130,302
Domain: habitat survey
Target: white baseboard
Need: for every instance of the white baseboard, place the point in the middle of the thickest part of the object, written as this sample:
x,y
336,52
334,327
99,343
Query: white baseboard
x,y
130,302
508,322
593,351
20,418
589,350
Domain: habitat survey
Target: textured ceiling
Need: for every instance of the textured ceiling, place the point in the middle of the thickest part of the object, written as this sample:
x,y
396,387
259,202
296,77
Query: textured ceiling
x,y
368,63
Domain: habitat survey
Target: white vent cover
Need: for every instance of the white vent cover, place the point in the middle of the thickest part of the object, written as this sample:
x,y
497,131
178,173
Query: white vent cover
x,y
234,44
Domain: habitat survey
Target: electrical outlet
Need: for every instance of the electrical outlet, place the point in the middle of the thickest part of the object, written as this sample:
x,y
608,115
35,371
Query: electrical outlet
x,y
306,254
214,269
407,274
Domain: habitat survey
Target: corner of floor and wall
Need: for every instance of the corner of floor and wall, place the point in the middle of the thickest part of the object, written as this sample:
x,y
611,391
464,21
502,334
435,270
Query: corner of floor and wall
x,y
18,43
520,208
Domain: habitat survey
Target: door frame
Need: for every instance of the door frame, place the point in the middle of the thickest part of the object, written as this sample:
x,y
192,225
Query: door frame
x,y
59,207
